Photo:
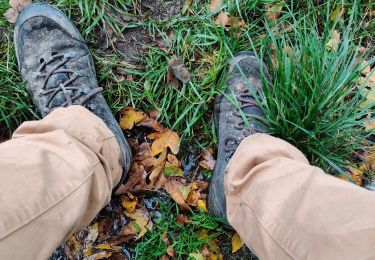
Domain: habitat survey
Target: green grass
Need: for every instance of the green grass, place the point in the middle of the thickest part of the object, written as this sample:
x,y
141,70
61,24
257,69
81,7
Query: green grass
x,y
184,239
314,100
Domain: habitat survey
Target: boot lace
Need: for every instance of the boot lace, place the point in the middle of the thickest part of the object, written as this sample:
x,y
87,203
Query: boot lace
x,y
245,99
71,97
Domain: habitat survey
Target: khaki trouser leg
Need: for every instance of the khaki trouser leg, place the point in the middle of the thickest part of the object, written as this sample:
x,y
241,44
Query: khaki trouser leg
x,y
284,208
56,174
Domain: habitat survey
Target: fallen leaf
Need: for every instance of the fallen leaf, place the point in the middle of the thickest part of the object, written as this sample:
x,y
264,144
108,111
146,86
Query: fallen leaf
x,y
16,6
172,159
180,71
196,256
129,204
215,5
108,247
11,15
357,175
237,243
164,139
172,171
165,239
222,19
129,117
209,162
170,251
100,255
369,125
202,205
92,233
337,13
182,219
171,79
140,223
173,187
333,43
137,174
273,12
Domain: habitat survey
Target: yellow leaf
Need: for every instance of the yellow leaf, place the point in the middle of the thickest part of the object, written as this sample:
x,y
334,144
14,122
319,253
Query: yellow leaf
x,y
333,43
130,117
337,13
196,256
172,171
164,139
237,243
140,223
202,205
215,5
129,204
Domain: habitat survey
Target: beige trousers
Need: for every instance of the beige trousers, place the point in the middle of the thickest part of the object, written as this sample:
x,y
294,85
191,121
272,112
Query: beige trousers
x,y
57,173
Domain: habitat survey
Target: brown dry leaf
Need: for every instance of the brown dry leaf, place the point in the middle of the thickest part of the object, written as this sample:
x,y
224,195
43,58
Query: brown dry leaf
x,y
164,257
215,5
174,186
180,71
172,159
333,43
151,121
129,203
137,175
171,79
157,166
182,219
172,171
164,139
209,162
16,6
273,12
130,117
165,239
139,224
237,243
170,251
222,19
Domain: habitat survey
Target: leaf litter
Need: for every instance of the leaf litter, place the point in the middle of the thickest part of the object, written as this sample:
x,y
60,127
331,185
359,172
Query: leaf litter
x,y
156,168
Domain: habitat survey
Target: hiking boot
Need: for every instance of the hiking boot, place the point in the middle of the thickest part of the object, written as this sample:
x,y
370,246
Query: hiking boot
x,y
230,125
56,63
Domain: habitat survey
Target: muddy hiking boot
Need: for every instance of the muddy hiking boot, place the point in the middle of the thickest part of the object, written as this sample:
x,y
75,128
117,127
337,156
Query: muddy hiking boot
x,y
56,63
231,125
